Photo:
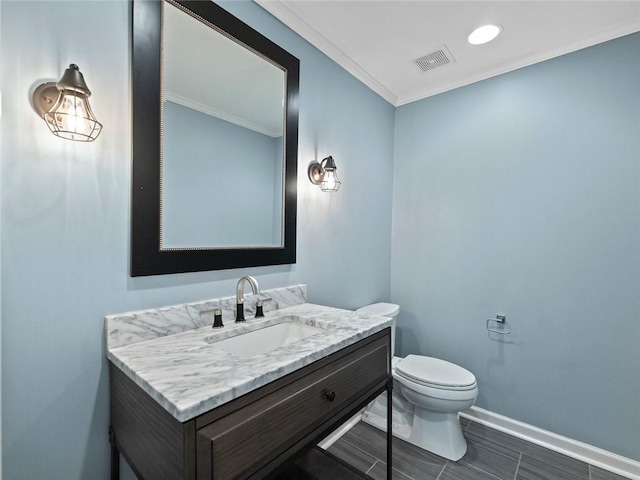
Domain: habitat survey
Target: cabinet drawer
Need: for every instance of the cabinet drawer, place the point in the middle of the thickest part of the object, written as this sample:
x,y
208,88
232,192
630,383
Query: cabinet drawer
x,y
244,441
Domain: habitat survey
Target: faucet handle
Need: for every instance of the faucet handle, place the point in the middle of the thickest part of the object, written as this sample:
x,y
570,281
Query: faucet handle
x,y
217,315
261,300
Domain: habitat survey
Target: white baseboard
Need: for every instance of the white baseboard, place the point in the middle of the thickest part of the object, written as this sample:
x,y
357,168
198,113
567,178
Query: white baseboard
x,y
335,436
572,448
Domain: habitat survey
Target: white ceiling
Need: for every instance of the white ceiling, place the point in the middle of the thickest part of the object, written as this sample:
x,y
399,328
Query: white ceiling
x,y
378,41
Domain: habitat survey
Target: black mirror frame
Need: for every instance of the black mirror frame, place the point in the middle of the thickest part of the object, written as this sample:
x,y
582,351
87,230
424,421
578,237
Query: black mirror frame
x,y
146,256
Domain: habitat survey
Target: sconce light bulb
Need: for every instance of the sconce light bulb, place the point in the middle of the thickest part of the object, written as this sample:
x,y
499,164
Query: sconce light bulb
x,y
330,182
324,174
71,118
70,115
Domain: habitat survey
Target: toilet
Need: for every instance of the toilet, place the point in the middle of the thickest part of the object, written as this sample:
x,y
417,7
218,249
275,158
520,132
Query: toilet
x,y
428,393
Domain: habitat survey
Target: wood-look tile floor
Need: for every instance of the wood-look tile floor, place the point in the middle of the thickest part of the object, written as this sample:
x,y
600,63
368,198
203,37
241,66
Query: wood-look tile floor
x,y
491,455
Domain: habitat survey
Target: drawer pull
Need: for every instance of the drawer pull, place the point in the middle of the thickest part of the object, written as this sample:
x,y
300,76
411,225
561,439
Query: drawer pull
x,y
331,396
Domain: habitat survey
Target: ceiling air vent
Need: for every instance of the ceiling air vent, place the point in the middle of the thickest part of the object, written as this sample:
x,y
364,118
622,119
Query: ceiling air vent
x,y
440,57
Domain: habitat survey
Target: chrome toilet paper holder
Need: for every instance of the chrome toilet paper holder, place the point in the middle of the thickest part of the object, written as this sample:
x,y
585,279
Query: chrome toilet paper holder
x,y
500,319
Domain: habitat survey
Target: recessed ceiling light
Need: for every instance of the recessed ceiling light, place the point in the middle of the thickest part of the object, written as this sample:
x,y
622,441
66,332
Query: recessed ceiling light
x,y
484,34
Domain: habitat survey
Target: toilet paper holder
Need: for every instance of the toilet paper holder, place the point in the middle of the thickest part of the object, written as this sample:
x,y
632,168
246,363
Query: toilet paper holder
x,y
500,319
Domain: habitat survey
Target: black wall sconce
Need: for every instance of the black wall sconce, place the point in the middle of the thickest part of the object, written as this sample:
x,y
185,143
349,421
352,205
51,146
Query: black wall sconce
x,y
323,173
65,108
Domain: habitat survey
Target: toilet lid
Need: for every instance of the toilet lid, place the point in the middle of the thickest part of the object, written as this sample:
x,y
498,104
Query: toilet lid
x,y
436,372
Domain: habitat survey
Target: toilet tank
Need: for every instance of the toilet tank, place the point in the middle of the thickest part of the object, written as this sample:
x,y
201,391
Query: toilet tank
x,y
383,310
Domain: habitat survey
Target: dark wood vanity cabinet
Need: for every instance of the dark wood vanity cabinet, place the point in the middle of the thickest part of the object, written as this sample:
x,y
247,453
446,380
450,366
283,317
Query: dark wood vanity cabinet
x,y
256,435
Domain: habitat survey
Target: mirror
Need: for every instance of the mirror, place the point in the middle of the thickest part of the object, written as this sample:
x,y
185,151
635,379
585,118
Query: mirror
x,y
228,114
214,141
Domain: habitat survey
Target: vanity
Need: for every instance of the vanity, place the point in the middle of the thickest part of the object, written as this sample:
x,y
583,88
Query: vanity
x,y
192,402
249,400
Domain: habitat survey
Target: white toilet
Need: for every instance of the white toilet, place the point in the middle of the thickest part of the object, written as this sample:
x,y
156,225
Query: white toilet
x,y
428,393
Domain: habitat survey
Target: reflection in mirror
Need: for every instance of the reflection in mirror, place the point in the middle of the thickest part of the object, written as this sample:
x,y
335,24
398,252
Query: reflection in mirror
x,y
215,141
223,140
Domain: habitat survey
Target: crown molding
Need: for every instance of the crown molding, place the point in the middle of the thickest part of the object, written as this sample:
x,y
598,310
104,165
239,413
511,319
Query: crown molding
x,y
612,33
221,114
279,10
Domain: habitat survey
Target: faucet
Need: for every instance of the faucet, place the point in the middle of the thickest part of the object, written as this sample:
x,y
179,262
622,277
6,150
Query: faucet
x,y
255,289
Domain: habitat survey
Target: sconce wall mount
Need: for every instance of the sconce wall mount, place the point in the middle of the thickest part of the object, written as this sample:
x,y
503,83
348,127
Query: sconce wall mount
x,y
324,174
64,106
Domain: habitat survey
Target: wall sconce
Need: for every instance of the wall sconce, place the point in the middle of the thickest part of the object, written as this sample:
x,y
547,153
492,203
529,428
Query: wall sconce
x,y
324,174
65,108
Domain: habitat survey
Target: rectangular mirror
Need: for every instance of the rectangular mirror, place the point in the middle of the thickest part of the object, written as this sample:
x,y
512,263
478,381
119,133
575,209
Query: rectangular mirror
x,y
214,141
228,114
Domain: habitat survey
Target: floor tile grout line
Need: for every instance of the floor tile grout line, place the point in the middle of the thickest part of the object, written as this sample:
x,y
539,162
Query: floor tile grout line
x,y
443,467
382,461
392,468
515,475
479,470
535,445
405,474
363,451
371,467
497,447
492,441
563,470
506,445
496,441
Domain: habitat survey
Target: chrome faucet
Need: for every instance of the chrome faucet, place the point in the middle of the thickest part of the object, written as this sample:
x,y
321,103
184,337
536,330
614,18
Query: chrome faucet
x,y
255,289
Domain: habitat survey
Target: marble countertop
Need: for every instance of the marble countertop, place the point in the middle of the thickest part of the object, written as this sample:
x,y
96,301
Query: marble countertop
x,y
188,375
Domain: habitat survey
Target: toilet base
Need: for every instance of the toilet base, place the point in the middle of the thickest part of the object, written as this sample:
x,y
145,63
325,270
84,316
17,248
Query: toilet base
x,y
400,430
376,415
439,433
436,432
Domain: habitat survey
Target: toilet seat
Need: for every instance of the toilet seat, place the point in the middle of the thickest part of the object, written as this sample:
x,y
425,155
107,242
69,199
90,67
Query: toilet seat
x,y
434,392
435,373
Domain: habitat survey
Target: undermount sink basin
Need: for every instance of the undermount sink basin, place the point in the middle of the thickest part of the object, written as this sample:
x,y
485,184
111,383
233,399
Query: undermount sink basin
x,y
267,339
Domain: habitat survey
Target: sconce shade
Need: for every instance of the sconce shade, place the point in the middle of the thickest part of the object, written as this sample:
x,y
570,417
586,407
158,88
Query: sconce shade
x,y
65,108
331,183
324,174
72,118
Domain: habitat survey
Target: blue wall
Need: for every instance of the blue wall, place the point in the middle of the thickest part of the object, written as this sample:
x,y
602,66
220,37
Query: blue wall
x,y
520,195
516,195
65,223
225,176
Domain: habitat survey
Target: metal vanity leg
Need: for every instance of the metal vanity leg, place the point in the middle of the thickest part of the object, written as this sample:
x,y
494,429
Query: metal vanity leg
x,y
115,455
389,427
